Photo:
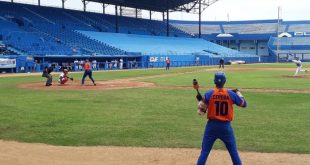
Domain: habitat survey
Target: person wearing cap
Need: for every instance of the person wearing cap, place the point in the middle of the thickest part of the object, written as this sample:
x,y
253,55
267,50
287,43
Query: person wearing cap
x,y
64,77
218,104
47,74
88,72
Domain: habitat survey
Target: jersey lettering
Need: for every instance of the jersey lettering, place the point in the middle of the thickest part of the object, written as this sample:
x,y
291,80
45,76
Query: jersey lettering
x,y
220,106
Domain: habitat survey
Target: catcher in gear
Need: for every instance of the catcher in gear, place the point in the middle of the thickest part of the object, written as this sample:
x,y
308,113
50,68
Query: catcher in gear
x,y
64,77
218,103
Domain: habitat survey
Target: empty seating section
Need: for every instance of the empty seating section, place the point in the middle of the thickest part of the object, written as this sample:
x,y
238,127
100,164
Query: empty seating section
x,y
52,31
35,45
149,45
299,28
57,28
262,49
194,28
291,41
261,28
248,47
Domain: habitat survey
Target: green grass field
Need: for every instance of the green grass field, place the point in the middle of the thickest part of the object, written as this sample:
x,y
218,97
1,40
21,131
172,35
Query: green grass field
x,y
272,122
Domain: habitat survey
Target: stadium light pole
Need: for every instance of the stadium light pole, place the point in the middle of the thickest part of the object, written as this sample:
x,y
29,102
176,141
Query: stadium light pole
x,y
199,18
278,34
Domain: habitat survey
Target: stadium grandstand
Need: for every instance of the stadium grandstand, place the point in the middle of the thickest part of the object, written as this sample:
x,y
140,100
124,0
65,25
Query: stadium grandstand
x,y
257,37
39,35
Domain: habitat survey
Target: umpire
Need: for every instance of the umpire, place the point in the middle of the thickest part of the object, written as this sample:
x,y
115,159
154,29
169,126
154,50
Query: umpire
x,y
221,63
47,73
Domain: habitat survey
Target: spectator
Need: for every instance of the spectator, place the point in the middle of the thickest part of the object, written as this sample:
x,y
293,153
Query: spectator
x,y
94,64
168,63
76,64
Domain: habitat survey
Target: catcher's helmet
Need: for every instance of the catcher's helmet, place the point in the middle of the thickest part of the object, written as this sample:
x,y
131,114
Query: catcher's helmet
x,y
219,78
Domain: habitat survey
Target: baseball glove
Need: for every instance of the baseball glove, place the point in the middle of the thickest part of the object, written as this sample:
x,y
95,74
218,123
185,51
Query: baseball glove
x,y
235,90
71,78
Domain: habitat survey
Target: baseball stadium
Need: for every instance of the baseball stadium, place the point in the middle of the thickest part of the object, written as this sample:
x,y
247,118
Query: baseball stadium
x,y
132,84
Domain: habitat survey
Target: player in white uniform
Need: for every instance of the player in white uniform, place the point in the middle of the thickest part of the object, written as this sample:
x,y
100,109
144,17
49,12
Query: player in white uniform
x,y
64,77
299,66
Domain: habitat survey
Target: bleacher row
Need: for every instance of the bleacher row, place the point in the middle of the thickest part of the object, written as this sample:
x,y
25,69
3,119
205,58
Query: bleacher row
x,y
158,45
53,31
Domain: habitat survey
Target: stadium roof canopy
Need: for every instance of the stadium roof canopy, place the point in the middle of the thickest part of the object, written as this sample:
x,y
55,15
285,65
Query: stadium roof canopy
x,y
154,5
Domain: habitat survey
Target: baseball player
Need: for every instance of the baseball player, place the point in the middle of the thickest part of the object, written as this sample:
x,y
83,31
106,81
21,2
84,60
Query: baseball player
x,y
88,72
218,104
221,63
47,73
64,77
299,66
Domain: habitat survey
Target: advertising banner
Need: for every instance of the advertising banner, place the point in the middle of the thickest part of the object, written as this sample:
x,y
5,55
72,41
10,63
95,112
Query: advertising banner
x,y
7,63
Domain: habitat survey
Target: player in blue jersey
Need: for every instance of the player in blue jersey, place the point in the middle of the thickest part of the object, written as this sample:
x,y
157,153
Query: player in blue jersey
x,y
219,103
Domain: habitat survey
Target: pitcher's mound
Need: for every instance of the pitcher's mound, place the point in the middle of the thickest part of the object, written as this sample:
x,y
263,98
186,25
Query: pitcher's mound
x,y
298,76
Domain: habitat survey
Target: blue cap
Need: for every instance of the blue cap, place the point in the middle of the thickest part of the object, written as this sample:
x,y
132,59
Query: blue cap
x,y
219,78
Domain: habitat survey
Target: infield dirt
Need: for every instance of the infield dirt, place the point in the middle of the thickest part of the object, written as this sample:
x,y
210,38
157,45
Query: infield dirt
x,y
15,153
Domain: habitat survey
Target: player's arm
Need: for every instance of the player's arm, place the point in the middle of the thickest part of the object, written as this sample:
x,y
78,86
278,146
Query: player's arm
x,y
237,98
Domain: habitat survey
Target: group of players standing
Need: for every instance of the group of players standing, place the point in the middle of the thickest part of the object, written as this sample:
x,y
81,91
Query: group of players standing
x,y
64,76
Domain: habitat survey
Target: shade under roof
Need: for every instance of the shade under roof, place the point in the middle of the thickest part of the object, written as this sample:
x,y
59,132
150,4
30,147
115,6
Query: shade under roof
x,y
154,5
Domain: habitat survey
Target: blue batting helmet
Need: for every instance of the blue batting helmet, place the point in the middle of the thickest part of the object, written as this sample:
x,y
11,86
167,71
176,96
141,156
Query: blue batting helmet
x,y
219,78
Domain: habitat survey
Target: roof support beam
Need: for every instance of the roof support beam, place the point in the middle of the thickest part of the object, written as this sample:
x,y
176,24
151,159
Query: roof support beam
x,y
163,16
103,8
63,3
84,5
167,3
116,19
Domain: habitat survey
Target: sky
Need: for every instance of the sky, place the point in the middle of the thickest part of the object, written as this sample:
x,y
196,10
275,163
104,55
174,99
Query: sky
x,y
223,10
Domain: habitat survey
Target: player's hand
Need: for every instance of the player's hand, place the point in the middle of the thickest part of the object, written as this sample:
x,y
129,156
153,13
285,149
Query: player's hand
x,y
202,108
